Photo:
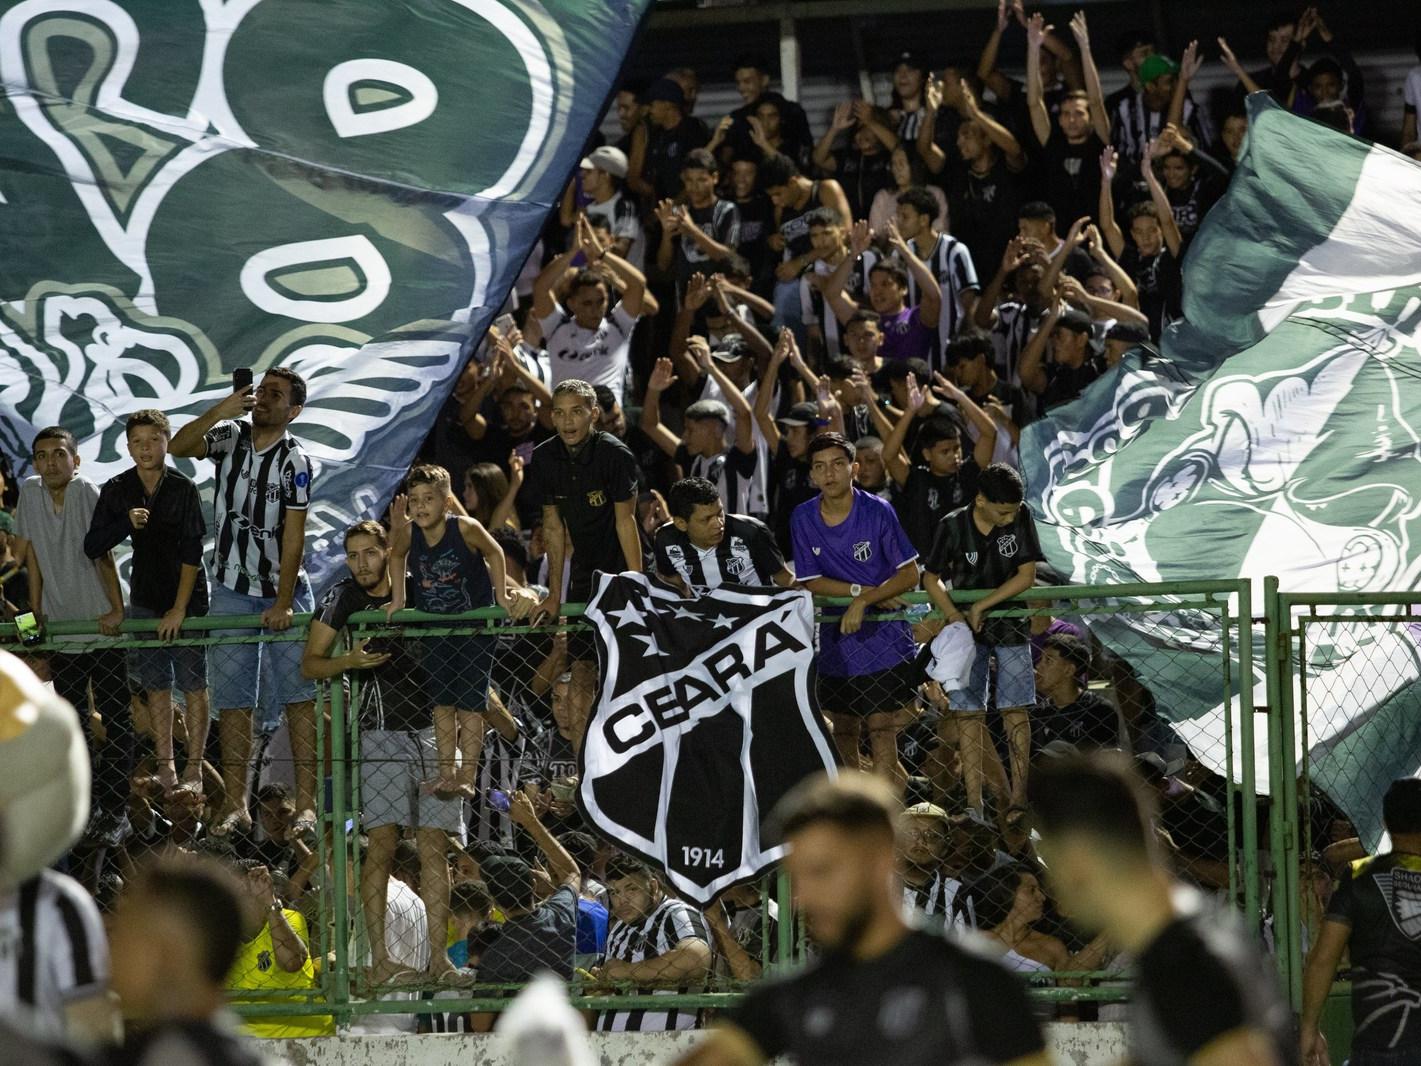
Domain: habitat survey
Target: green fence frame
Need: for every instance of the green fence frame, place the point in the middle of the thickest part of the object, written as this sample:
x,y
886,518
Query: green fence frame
x,y
1230,601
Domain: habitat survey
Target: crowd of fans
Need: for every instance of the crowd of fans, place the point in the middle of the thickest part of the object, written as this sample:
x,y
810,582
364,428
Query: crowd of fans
x,y
750,356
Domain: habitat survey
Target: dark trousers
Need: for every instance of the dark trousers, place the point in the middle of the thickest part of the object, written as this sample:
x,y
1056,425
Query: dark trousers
x,y
105,672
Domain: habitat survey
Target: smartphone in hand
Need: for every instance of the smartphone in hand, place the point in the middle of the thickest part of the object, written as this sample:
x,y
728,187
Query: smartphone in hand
x,y
241,378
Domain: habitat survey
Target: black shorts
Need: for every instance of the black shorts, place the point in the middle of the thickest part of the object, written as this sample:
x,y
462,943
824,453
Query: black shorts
x,y
884,692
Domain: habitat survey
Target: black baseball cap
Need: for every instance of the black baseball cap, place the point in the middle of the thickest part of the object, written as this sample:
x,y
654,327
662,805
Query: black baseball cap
x,y
1076,321
665,89
1128,331
803,414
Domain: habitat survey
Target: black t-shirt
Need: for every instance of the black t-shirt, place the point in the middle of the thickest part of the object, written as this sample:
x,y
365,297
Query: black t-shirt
x,y
1160,284
1377,898
584,487
983,209
925,1002
720,221
666,150
789,487
1071,174
970,559
862,177
391,696
746,555
1089,722
172,537
757,220
925,497
1199,979
1065,383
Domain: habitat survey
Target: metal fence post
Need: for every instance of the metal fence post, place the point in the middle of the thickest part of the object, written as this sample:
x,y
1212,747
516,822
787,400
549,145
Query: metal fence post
x,y
340,853
1252,881
1282,821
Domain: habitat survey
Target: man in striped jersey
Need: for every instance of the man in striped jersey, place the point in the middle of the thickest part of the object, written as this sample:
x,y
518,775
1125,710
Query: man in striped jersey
x,y
703,548
656,943
947,259
263,487
702,452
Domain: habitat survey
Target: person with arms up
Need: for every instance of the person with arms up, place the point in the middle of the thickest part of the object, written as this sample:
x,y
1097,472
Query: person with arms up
x,y
398,753
1203,995
848,542
175,936
263,487
947,260
600,175
702,232
55,510
908,332
454,567
1070,151
883,991
702,547
1368,919
1153,260
990,544
657,943
1074,362
585,482
159,510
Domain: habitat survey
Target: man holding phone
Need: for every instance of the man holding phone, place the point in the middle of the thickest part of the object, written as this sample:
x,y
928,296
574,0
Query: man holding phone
x,y
263,487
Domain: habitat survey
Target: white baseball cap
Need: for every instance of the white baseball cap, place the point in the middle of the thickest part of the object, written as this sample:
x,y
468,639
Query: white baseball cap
x,y
612,160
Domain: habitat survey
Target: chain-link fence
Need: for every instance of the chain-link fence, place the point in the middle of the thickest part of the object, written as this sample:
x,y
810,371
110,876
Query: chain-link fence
x,y
401,800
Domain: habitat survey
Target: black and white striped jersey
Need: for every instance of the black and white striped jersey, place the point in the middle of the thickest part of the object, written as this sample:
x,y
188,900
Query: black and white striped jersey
x,y
668,924
52,948
503,765
935,899
951,263
732,472
746,555
254,491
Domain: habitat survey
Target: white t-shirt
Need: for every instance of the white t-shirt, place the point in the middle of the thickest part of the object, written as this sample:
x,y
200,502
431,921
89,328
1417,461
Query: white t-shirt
x,y
598,356
620,214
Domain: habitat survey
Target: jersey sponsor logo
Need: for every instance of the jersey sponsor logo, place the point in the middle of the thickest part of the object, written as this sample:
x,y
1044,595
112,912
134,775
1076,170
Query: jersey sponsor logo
x,y
596,498
932,499
863,551
302,479
1402,889
1006,545
263,961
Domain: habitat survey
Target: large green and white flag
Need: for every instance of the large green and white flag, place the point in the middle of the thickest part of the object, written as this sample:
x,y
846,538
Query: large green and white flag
x,y
344,187
1279,433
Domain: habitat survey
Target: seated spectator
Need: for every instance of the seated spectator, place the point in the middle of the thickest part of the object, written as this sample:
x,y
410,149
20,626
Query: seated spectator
x,y
924,833
281,848
470,910
657,944
752,81
1066,710
1073,362
273,957
769,134
1008,903
702,547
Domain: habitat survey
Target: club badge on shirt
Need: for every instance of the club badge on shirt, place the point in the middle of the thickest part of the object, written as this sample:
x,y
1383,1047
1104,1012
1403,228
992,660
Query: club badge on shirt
x,y
863,551
1006,545
596,498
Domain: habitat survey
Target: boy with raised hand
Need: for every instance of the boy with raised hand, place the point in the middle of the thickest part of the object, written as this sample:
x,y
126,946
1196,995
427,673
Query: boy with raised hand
x,y
159,510
990,544
454,565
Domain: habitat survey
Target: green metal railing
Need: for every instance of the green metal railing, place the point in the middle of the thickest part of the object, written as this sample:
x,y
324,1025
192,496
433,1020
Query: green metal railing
x,y
1230,661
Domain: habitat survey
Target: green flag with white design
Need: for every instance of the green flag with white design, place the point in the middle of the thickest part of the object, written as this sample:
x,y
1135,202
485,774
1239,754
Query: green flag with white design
x,y
1278,433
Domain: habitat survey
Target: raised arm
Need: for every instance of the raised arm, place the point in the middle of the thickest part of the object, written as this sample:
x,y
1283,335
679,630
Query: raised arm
x,y
987,72
981,421
860,236
1032,369
1097,307
998,134
1036,30
984,315
931,153
662,376
1095,245
561,867
1236,68
744,414
865,114
823,154
831,195
1109,160
1189,65
697,293
547,280
764,395
1057,262
929,291
1172,238
898,464
190,442
629,279
1099,120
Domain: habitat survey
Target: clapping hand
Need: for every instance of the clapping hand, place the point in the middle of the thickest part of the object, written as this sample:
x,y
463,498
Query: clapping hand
x,y
1036,30
697,292
668,216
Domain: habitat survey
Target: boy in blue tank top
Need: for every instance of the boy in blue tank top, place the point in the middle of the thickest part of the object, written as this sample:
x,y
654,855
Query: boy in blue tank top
x,y
450,566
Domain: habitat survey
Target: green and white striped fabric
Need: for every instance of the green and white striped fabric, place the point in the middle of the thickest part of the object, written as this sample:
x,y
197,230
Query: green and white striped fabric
x,y
1278,432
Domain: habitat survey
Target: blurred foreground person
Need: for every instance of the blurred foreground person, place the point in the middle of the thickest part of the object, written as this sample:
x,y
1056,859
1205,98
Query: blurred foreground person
x,y
883,992
175,936
1203,995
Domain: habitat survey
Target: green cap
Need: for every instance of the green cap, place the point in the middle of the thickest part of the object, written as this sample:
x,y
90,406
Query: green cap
x,y
1156,65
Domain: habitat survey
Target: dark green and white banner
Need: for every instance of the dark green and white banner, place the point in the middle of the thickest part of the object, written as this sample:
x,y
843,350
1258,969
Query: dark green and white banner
x,y
1279,433
344,187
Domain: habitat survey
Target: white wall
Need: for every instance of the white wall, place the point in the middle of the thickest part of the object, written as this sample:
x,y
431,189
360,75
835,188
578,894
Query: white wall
x,y
1083,1044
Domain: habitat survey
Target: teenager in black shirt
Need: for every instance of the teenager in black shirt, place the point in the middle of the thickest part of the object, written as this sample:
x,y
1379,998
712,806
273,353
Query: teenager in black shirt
x,y
883,991
1067,710
1203,994
1073,365
1153,260
702,547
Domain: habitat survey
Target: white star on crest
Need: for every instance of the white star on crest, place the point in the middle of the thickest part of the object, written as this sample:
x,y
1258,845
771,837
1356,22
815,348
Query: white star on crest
x,y
629,615
722,622
649,639
681,612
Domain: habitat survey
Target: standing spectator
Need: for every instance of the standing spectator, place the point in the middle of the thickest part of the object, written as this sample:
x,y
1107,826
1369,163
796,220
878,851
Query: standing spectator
x,y
908,172
910,76
769,135
14,577
788,440
1133,46
1008,901
1011,307
863,168
587,336
399,755
1163,99
263,488
1153,259
969,366
908,332
513,429
936,479
1067,710
1193,181
585,482
985,180
947,260
1202,992
655,942
1073,365
534,936
990,544
1333,79
1070,151
56,509
757,219
703,452
159,509
1368,918
704,229
663,142
752,82
54,969
273,958
631,112
827,239
454,567
600,178
176,935
1060,71
794,197
850,543
702,547
841,861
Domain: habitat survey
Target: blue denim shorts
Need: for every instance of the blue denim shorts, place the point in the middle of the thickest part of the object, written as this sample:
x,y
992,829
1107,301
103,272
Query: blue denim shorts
x,y
178,667
1016,679
238,668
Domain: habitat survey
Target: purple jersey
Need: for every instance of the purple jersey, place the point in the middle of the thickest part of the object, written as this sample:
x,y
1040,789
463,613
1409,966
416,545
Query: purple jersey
x,y
905,336
867,549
